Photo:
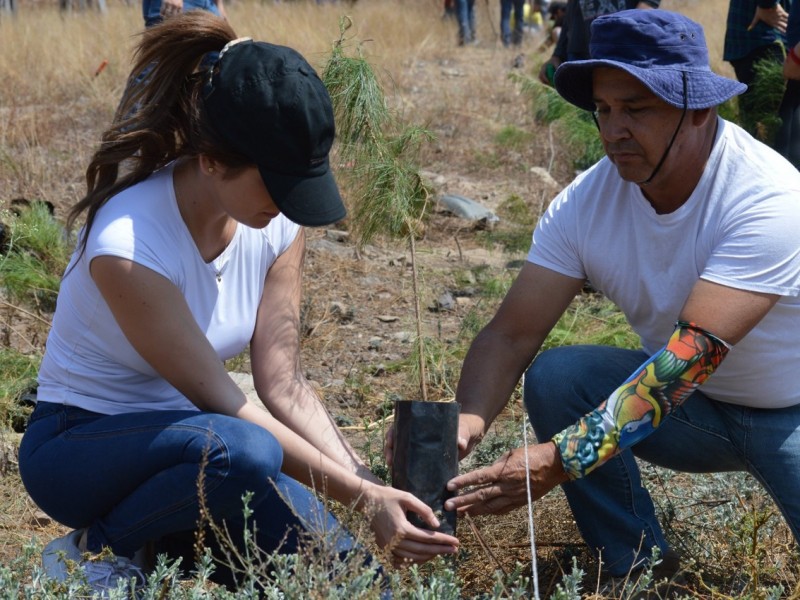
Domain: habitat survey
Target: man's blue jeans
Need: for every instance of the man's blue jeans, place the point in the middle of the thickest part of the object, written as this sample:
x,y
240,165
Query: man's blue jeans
x,y
505,21
614,512
133,478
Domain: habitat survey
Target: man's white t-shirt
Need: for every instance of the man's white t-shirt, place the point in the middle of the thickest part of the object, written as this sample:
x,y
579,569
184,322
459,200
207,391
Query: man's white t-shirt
x,y
89,362
739,228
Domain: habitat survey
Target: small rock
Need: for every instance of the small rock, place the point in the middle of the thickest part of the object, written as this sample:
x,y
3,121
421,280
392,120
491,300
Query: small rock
x,y
401,336
375,342
387,318
444,302
40,519
336,235
466,208
379,370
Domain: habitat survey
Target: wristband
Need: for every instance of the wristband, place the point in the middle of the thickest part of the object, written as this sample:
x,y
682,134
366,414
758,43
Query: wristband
x,y
793,56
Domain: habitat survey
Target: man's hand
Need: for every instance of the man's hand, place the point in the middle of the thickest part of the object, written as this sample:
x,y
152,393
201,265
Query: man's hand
x,y
775,17
501,487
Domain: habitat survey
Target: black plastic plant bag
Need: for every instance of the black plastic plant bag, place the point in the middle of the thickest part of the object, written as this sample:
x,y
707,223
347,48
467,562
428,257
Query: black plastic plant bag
x,y
426,455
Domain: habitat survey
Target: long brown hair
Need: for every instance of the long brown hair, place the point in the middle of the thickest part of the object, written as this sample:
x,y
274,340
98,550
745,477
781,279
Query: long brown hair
x,y
161,116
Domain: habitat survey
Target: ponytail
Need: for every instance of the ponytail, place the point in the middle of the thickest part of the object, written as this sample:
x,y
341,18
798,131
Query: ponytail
x,y
160,117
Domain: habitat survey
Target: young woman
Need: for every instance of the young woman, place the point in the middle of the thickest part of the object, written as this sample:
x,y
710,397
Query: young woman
x,y
191,250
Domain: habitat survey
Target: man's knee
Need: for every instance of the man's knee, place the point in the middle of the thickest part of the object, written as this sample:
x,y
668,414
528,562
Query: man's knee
x,y
563,384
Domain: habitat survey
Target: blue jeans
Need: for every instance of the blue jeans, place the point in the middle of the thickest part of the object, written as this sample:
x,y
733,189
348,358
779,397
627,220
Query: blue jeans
x,y
505,21
465,11
614,512
151,9
133,478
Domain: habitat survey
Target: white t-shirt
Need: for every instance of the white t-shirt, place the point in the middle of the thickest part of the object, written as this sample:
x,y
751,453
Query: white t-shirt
x,y
739,228
89,362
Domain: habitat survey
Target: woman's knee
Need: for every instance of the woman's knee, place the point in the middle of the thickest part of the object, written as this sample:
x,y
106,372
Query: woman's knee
x,y
247,453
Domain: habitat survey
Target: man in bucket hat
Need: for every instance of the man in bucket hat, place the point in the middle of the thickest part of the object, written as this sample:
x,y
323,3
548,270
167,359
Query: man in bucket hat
x,y
690,226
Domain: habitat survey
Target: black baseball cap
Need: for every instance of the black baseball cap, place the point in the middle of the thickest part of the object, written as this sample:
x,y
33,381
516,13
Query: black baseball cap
x,y
268,104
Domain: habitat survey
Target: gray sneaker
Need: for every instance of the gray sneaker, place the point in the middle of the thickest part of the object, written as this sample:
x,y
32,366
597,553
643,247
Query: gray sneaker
x,y
104,572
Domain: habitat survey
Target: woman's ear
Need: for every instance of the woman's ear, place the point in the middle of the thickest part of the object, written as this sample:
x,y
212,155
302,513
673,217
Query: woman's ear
x,y
207,164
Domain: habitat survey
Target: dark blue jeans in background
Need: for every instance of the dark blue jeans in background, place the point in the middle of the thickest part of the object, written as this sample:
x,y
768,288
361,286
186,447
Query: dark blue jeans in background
x,y
505,21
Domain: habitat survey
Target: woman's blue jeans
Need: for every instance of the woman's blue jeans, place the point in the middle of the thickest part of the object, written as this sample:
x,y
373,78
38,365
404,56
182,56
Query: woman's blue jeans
x,y
613,511
134,478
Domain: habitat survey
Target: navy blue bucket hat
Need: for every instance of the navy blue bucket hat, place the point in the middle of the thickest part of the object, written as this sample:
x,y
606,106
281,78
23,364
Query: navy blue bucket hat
x,y
657,47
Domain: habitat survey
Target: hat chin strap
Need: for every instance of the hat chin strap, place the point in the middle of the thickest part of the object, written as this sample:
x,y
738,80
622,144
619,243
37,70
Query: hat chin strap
x,y
672,141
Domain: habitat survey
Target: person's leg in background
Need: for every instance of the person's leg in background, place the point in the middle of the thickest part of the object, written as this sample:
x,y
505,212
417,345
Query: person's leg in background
x,y
505,21
464,28
519,22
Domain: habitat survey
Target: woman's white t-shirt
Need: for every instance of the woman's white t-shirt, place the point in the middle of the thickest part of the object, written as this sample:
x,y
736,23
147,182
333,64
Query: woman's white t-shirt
x,y
89,362
739,228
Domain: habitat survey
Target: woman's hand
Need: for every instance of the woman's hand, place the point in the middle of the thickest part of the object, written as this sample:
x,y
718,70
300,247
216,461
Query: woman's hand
x,y
502,487
386,507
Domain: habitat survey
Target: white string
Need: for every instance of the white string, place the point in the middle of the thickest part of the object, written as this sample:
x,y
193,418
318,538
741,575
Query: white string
x,y
534,569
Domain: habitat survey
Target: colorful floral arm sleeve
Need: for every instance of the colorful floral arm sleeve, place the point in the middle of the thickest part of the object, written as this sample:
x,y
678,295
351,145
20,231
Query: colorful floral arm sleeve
x,y
639,405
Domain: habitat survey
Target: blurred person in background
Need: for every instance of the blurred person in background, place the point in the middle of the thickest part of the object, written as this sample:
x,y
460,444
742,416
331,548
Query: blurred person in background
x,y
155,11
788,138
507,35
556,12
755,31
465,14
573,40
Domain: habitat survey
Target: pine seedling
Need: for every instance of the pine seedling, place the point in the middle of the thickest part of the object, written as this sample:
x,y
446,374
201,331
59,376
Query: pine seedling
x,y
377,153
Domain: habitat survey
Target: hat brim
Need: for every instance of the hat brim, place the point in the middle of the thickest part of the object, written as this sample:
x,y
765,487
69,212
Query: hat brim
x,y
704,88
311,201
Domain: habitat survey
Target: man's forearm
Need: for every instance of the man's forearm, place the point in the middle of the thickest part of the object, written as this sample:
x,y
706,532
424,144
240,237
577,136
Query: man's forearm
x,y
639,406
